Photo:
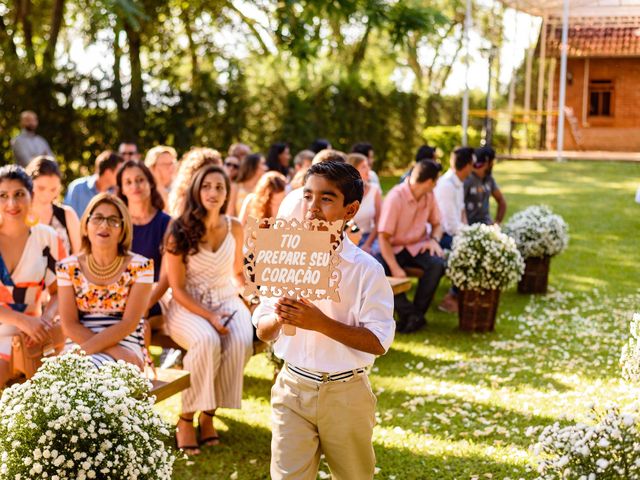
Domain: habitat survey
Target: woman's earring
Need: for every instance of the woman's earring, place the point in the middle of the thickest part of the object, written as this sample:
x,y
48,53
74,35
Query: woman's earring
x,y
32,219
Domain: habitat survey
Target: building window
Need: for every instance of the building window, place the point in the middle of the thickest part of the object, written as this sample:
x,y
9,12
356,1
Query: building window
x,y
601,98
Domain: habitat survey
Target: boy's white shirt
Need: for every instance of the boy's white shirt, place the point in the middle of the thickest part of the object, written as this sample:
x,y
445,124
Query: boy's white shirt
x,y
366,300
291,206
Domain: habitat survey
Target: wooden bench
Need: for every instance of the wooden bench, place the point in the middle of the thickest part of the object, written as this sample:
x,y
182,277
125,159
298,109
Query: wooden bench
x,y
169,382
399,285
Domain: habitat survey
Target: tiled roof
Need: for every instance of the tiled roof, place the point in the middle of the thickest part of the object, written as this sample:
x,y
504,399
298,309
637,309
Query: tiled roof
x,y
615,37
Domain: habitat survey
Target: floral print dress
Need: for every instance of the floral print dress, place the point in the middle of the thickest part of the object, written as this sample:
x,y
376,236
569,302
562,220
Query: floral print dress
x,y
100,306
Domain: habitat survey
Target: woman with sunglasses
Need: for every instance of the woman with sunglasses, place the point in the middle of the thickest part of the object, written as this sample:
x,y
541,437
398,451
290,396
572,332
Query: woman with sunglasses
x,y
28,253
105,290
231,167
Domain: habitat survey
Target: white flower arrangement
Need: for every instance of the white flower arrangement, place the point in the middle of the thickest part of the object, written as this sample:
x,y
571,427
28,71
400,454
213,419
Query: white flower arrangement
x,y
73,421
538,232
630,358
607,449
484,258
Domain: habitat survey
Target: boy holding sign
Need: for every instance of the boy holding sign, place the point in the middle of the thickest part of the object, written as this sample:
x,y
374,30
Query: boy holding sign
x,y
322,400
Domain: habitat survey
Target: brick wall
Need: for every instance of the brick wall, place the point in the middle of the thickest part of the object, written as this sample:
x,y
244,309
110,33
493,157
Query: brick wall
x,y
621,132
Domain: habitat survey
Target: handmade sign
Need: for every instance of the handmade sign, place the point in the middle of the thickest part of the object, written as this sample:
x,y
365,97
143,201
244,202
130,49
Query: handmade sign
x,y
292,258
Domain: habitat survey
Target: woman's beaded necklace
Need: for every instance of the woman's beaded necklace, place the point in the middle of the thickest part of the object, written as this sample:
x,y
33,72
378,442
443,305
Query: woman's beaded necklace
x,y
107,272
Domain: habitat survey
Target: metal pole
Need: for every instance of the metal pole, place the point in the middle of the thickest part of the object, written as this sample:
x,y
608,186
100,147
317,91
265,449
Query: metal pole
x,y
488,126
541,64
465,97
564,47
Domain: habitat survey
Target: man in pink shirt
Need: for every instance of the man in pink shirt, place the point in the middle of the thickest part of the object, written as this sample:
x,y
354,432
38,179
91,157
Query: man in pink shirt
x,y
406,241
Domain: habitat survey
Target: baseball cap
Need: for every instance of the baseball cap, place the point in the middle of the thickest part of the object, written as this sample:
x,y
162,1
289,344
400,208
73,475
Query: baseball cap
x,y
484,155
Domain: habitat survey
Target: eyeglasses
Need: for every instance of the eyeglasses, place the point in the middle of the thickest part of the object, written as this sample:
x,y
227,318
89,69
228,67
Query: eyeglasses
x,y
112,221
232,165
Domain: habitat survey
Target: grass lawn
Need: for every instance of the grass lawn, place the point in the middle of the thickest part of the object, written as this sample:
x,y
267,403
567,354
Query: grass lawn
x,y
453,405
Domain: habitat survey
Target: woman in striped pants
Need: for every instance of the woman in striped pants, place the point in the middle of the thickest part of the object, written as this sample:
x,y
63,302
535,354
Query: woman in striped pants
x,y
205,314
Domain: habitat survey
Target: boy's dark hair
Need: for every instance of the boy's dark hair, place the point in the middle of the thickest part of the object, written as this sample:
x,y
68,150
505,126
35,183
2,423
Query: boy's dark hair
x,y
107,160
363,148
425,152
463,157
343,176
427,170
319,144
484,155
16,172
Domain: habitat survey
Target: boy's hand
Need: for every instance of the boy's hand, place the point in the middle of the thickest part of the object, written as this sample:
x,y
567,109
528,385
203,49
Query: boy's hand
x,y
301,313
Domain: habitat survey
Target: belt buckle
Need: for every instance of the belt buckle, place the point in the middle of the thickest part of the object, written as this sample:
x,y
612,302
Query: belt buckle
x,y
325,378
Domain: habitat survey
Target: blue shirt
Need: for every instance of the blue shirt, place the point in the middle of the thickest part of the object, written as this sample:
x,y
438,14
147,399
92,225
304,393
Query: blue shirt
x,y
80,193
147,240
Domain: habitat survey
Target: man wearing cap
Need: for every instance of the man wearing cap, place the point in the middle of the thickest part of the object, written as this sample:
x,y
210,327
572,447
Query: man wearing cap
x,y
479,186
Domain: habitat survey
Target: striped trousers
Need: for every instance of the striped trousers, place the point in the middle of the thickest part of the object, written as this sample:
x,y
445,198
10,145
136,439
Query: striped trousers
x,y
216,362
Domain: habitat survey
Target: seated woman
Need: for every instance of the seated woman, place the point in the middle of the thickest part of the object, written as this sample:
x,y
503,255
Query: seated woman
x,y
137,189
203,254
266,199
252,167
370,207
28,254
46,177
105,290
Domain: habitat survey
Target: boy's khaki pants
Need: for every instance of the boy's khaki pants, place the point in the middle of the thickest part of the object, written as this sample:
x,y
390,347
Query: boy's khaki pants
x,y
334,418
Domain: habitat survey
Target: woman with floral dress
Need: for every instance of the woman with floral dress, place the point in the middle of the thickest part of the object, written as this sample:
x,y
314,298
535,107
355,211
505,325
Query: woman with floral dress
x,y
105,290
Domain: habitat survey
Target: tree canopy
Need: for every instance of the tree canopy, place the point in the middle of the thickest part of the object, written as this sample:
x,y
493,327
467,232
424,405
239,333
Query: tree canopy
x,y
214,72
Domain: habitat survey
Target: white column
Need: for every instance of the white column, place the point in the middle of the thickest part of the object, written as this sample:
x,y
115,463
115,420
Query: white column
x,y
564,47
541,65
527,86
465,97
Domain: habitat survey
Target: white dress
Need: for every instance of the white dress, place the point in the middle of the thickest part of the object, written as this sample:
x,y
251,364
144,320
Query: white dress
x,y
216,362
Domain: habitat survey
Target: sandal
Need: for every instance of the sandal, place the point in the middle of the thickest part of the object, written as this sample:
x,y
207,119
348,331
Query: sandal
x,y
212,440
188,450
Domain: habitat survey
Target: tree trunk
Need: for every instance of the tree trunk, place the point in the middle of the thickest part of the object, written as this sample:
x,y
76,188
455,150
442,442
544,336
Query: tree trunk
x,y
116,88
135,111
57,17
414,63
360,52
24,14
195,69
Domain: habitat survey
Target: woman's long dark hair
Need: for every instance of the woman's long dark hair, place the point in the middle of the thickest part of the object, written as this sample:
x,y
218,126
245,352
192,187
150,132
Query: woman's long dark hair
x,y
248,167
156,199
273,158
185,232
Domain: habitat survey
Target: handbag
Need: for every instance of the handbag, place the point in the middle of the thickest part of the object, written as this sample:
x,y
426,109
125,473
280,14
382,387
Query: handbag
x,y
26,359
